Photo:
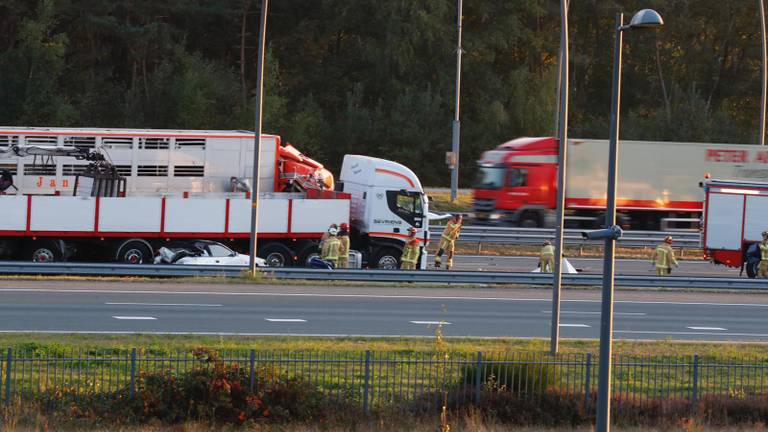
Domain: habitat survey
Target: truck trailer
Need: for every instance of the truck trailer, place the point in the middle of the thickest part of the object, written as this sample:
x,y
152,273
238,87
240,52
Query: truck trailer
x,y
169,185
735,215
658,182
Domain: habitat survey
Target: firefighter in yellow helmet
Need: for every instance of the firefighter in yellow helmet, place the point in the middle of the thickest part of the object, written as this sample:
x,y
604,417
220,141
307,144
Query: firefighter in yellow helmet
x,y
331,246
411,251
663,257
547,257
448,241
344,245
762,270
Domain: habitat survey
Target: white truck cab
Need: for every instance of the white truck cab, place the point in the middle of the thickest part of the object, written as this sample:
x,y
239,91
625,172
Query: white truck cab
x,y
387,199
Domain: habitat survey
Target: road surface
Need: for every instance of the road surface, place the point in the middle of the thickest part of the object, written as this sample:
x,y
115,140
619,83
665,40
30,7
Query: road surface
x,y
99,307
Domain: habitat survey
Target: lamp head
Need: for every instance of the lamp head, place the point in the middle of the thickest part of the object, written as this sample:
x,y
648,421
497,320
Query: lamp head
x,y
646,18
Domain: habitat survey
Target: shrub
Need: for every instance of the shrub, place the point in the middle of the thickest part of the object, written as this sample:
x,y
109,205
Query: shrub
x,y
516,378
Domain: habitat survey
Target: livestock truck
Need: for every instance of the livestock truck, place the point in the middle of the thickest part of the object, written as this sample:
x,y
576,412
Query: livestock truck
x,y
735,215
658,182
121,194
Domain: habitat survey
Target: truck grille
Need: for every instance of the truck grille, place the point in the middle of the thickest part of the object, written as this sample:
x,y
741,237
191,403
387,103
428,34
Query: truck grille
x,y
484,205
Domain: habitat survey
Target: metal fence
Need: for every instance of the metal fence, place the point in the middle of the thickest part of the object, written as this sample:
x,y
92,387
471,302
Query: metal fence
x,y
372,379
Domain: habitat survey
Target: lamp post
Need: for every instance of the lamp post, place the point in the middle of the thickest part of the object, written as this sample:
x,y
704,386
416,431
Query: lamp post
x,y
456,129
646,18
562,162
764,73
257,137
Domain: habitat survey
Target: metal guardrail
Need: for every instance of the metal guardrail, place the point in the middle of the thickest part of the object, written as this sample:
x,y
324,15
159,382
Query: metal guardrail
x,y
511,235
396,276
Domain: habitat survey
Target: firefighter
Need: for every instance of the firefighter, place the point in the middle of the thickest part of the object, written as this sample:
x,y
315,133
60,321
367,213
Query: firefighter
x,y
410,251
331,246
763,268
448,241
325,235
664,257
344,245
547,257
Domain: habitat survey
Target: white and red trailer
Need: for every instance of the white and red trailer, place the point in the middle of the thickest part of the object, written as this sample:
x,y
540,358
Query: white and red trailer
x,y
183,185
735,215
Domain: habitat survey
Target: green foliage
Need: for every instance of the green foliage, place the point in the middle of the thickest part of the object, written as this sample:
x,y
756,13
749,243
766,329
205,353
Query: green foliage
x,y
378,78
517,378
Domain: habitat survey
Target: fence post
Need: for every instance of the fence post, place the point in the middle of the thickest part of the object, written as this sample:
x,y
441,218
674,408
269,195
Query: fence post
x,y
253,369
8,377
695,397
367,379
132,391
478,377
587,379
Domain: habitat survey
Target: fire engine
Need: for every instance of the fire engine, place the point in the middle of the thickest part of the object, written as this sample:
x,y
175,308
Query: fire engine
x,y
120,194
658,182
735,215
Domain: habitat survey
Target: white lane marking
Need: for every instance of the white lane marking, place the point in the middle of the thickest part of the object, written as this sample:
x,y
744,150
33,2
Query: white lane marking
x,y
573,325
761,335
431,322
140,318
285,320
707,328
373,296
597,313
162,304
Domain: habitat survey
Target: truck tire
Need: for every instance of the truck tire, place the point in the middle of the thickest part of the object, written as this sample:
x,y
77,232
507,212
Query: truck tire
x,y
134,252
387,258
44,251
530,220
276,255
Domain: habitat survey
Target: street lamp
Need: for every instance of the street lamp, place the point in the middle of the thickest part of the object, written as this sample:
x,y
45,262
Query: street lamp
x,y
257,139
646,18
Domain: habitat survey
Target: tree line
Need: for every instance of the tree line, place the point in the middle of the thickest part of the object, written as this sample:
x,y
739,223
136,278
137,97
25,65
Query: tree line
x,y
377,77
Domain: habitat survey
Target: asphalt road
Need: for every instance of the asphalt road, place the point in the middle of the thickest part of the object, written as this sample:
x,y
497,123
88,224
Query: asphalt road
x,y
98,307
589,265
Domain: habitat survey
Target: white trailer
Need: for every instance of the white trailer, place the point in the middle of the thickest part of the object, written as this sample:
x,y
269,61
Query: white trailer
x,y
735,215
180,187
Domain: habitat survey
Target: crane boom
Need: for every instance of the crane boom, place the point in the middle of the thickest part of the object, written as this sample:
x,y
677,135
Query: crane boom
x,y
51,151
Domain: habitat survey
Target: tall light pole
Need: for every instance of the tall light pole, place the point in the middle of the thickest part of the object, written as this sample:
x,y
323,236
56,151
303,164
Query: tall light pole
x,y
454,160
764,74
646,18
562,161
257,136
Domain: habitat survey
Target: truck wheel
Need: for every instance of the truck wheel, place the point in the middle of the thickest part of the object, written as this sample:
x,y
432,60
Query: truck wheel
x,y
388,258
529,220
134,252
277,255
44,251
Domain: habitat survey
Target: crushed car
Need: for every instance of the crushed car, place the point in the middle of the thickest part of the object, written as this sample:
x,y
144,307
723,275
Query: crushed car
x,y
203,252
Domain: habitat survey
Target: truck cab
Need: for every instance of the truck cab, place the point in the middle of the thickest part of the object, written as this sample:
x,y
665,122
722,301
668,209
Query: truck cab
x,y
516,183
386,199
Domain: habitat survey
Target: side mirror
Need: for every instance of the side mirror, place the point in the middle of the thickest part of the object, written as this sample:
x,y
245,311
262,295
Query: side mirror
x,y
613,232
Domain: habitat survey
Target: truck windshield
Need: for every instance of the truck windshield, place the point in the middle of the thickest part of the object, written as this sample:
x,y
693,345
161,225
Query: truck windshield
x,y
489,178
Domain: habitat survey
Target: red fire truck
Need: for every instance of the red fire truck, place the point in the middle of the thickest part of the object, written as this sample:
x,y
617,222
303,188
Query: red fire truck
x,y
658,182
735,215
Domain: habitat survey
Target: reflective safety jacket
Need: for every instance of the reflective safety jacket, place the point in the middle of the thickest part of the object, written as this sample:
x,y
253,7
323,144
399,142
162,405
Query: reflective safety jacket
x,y
664,256
451,231
548,251
330,250
411,251
343,246
764,251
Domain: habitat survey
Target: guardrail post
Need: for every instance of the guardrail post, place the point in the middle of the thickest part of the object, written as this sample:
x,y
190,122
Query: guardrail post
x,y
132,391
8,377
367,379
587,379
478,377
695,395
253,369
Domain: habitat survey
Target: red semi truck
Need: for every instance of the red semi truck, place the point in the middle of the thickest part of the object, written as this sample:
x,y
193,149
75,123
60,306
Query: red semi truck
x,y
658,182
735,215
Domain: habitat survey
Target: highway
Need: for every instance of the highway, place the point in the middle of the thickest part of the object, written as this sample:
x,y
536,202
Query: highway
x,y
227,309
589,265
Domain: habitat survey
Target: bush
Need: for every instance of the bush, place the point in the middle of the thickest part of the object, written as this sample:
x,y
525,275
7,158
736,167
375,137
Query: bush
x,y
516,378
